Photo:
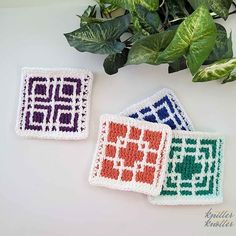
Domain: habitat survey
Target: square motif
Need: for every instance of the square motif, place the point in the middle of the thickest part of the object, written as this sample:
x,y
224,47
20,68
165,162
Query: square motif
x,y
131,155
195,170
163,107
54,103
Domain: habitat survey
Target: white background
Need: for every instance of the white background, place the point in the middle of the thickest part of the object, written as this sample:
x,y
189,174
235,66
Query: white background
x,y
43,184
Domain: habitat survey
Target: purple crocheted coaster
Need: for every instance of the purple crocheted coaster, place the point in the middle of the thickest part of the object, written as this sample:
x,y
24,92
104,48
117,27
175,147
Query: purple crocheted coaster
x,y
54,103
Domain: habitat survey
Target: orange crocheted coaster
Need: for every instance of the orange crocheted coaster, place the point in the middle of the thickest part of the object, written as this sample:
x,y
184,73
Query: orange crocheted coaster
x,y
131,155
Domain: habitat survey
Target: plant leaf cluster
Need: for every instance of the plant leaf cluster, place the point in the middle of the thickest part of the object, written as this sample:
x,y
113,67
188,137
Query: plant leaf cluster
x,y
180,33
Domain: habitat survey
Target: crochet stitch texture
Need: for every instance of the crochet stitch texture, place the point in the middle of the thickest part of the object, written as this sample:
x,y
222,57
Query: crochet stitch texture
x,y
163,107
195,170
130,155
195,163
54,103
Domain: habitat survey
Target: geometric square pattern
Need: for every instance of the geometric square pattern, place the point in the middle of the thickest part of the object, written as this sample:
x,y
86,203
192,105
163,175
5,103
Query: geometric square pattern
x,y
164,108
131,155
195,170
54,103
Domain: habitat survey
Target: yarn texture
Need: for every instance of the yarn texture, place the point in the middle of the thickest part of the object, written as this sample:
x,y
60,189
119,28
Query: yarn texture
x,y
54,103
131,155
163,107
195,170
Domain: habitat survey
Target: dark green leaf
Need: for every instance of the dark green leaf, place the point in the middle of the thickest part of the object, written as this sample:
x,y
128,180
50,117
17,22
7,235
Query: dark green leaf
x,y
88,20
115,61
229,53
176,8
195,3
146,20
230,78
100,38
135,37
147,49
195,38
219,70
88,15
222,48
151,5
220,7
106,9
179,64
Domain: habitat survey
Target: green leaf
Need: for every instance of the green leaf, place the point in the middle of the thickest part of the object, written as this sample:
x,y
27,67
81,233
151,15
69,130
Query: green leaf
x,y
218,70
222,48
137,27
151,5
147,49
195,38
146,20
176,8
179,64
135,37
88,15
115,61
230,78
195,3
88,20
220,7
102,38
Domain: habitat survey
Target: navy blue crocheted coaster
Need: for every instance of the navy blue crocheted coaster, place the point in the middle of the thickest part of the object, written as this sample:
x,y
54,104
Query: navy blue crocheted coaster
x,y
163,107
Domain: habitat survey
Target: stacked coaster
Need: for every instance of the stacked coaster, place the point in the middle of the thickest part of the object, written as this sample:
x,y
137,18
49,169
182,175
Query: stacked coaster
x,y
151,148
131,155
194,172
163,107
54,103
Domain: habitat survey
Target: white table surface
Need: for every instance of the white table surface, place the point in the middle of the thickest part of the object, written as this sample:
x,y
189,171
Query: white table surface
x,y
44,189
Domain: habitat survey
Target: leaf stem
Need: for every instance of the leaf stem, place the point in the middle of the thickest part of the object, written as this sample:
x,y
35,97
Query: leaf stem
x,y
171,21
162,3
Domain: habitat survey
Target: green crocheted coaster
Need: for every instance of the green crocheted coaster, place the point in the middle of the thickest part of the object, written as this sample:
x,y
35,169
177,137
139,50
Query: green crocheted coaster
x,y
195,168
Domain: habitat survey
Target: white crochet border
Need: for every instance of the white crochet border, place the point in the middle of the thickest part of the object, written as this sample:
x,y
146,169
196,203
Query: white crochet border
x,y
54,72
154,98
96,179
195,200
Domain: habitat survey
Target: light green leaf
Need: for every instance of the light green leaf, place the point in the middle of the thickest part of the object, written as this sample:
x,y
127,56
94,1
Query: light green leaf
x,y
137,27
195,38
115,61
147,49
100,38
218,70
151,5
222,48
220,7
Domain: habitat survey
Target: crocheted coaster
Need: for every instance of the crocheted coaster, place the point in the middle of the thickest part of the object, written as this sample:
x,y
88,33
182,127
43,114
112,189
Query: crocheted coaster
x,y
54,103
163,107
131,155
195,169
